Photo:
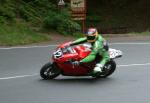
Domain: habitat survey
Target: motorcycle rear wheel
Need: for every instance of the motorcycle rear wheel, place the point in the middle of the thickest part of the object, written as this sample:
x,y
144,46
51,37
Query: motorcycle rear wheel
x,y
109,69
49,71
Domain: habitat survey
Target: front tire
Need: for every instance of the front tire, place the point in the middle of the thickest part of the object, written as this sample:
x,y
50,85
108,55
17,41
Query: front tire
x,y
49,71
109,68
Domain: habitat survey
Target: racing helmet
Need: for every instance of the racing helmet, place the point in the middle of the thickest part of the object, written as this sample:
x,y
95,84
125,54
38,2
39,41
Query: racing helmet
x,y
92,35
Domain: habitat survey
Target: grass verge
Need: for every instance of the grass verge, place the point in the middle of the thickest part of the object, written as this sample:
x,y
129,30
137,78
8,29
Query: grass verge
x,y
145,33
20,34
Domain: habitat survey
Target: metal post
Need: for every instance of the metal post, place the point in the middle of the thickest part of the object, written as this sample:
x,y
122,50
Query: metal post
x,y
83,26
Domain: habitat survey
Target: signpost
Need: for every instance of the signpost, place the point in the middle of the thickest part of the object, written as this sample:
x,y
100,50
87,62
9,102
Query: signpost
x,y
78,10
61,3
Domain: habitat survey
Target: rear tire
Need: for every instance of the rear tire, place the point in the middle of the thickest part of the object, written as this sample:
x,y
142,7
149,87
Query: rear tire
x,y
49,71
109,68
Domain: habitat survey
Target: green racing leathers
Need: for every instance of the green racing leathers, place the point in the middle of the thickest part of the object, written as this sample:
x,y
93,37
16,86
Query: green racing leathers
x,y
97,48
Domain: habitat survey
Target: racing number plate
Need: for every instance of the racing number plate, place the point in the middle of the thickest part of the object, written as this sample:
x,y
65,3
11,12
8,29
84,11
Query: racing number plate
x,y
58,54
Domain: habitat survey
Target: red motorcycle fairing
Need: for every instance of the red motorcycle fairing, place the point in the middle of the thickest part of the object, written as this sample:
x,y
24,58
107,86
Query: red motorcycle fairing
x,y
67,68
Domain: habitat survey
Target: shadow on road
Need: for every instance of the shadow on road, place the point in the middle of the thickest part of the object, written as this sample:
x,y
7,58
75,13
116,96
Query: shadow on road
x,y
79,80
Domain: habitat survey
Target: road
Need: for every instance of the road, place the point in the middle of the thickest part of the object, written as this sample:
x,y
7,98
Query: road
x,y
20,81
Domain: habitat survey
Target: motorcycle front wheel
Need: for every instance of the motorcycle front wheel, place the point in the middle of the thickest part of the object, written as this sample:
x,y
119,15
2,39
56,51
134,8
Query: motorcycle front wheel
x,y
108,69
49,71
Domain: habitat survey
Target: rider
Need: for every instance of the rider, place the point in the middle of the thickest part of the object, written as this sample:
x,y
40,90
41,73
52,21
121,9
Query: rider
x,y
98,47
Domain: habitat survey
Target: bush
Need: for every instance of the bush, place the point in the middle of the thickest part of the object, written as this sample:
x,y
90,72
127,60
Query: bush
x,y
2,20
38,13
78,35
61,22
52,20
7,9
68,27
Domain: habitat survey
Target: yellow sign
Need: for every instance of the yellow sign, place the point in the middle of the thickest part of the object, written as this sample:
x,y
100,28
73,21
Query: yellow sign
x,y
77,3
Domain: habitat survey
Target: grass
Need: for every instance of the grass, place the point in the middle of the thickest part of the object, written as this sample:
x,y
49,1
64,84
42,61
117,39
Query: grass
x,y
20,34
78,35
145,33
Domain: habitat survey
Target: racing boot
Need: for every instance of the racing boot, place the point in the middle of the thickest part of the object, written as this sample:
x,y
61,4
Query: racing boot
x,y
97,70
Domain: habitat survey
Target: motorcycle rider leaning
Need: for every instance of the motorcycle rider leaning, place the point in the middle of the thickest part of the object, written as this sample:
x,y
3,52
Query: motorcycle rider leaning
x,y
98,47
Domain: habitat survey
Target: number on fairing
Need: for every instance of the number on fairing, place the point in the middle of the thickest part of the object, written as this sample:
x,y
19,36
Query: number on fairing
x,y
58,53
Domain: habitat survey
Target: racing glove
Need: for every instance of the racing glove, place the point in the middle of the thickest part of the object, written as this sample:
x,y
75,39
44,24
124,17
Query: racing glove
x,y
76,63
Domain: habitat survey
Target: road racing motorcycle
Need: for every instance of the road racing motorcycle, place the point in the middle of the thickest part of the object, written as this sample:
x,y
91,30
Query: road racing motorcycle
x,y
63,57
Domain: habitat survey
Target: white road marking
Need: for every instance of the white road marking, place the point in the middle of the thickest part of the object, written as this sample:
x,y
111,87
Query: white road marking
x,y
127,65
27,47
131,43
21,76
119,43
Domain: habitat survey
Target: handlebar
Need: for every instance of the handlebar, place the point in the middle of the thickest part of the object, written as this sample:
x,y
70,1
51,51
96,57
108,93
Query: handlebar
x,y
68,50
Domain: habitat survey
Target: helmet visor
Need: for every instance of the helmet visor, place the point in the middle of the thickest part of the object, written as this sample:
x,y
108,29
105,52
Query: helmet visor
x,y
91,37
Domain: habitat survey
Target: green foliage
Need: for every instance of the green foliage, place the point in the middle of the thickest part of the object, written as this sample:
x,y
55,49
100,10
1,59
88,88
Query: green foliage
x,y
38,13
52,20
7,9
93,20
19,33
140,33
68,27
78,35
2,20
61,22
35,11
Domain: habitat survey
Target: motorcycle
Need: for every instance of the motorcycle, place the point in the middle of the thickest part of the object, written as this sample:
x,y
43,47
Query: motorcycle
x,y
63,57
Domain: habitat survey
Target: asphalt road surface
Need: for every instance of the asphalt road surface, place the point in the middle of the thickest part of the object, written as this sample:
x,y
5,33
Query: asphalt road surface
x,y
20,81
